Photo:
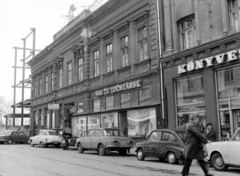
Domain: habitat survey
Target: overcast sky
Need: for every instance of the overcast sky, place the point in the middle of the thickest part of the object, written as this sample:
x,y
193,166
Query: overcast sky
x,y
17,17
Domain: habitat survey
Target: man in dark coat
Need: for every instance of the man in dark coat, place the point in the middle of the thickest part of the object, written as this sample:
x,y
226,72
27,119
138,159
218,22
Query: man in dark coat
x,y
194,145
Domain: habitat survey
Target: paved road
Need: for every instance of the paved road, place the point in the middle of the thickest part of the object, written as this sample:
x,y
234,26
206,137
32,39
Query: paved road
x,y
23,160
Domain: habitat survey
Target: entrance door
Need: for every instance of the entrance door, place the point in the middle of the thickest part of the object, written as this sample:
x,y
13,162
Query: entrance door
x,y
236,119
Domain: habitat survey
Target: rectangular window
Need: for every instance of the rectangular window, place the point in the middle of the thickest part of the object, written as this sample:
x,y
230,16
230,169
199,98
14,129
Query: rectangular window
x,y
143,43
80,107
96,63
190,100
35,89
46,84
124,51
96,105
109,57
125,100
109,102
69,73
187,33
228,75
52,81
233,15
40,87
80,69
60,77
144,96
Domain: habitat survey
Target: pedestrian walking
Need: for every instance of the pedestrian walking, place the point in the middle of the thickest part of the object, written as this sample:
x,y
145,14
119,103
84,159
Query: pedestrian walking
x,y
194,146
211,133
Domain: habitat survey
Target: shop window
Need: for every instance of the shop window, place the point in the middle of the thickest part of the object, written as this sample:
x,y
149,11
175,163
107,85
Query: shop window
x,y
80,69
35,89
40,87
79,126
96,63
125,100
46,84
109,57
52,81
124,51
109,102
187,33
233,11
93,122
144,96
141,122
80,107
190,100
109,120
143,43
69,73
228,83
96,105
60,78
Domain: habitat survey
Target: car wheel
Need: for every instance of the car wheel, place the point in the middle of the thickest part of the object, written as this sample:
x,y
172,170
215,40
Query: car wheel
x,y
31,144
218,162
171,158
10,141
101,150
140,155
80,149
123,152
58,145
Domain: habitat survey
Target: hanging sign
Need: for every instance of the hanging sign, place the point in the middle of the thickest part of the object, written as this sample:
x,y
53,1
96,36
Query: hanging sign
x,y
210,61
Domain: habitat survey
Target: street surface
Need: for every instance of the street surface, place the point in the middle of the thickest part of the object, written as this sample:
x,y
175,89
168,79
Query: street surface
x,y
23,160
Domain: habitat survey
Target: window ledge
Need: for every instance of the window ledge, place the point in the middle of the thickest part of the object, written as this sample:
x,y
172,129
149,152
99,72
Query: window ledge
x,y
108,74
94,78
123,69
142,62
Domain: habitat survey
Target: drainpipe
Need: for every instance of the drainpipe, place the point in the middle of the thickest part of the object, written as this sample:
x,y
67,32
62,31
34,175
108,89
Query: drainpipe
x,y
160,64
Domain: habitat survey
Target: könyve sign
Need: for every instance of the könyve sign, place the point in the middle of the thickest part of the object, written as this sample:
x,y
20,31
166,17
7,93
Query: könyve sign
x,y
118,88
207,62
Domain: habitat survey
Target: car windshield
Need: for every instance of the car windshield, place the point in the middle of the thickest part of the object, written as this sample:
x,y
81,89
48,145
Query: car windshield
x,y
7,133
112,132
182,135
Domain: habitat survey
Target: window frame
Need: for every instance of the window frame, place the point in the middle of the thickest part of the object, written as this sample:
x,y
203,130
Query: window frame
x,y
144,40
96,65
69,72
93,103
231,13
60,76
80,69
40,87
52,81
46,84
109,56
124,49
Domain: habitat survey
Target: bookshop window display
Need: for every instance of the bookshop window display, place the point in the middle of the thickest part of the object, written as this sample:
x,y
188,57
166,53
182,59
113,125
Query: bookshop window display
x,y
228,83
93,121
79,126
190,99
141,122
109,120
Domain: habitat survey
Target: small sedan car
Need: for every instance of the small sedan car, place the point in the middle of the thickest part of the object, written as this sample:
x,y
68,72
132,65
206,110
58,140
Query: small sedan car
x,y
163,144
45,138
105,140
13,136
225,153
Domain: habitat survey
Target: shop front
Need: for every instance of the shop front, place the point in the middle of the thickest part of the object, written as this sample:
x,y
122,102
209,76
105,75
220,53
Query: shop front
x,y
207,85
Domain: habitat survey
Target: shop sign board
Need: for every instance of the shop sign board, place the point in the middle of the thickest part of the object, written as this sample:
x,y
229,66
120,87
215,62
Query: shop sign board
x,y
53,106
119,88
210,61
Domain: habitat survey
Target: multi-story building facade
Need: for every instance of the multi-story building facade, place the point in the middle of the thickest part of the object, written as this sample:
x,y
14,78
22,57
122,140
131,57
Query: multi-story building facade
x,y
201,64
102,69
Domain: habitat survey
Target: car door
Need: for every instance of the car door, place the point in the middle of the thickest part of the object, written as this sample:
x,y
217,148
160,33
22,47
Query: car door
x,y
233,149
14,136
151,147
88,140
22,137
95,139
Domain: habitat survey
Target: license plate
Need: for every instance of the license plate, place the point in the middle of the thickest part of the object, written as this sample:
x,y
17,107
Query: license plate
x,y
123,144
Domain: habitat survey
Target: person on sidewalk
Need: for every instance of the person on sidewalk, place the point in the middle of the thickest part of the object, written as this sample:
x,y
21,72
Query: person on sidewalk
x,y
211,133
194,146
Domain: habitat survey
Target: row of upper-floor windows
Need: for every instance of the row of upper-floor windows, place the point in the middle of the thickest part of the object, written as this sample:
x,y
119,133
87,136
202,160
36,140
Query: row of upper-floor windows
x,y
187,30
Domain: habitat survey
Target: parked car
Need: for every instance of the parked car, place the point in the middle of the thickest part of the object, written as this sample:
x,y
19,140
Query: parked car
x,y
45,138
13,136
225,153
163,144
105,140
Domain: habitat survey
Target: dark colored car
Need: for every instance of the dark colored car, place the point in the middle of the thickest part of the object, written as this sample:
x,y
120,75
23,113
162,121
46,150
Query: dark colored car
x,y
163,144
10,136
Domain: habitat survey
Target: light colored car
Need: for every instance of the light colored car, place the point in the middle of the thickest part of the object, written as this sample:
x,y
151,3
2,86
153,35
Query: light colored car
x,y
225,153
45,138
105,140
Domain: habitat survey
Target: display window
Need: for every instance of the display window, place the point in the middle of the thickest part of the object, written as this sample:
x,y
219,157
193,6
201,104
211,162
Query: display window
x,y
109,120
79,126
141,122
190,100
109,102
93,121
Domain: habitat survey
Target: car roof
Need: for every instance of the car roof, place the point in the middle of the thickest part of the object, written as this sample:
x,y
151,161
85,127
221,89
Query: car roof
x,y
171,130
104,129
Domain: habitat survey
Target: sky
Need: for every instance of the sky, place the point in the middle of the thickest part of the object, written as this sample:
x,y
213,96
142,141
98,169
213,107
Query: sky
x,y
17,17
